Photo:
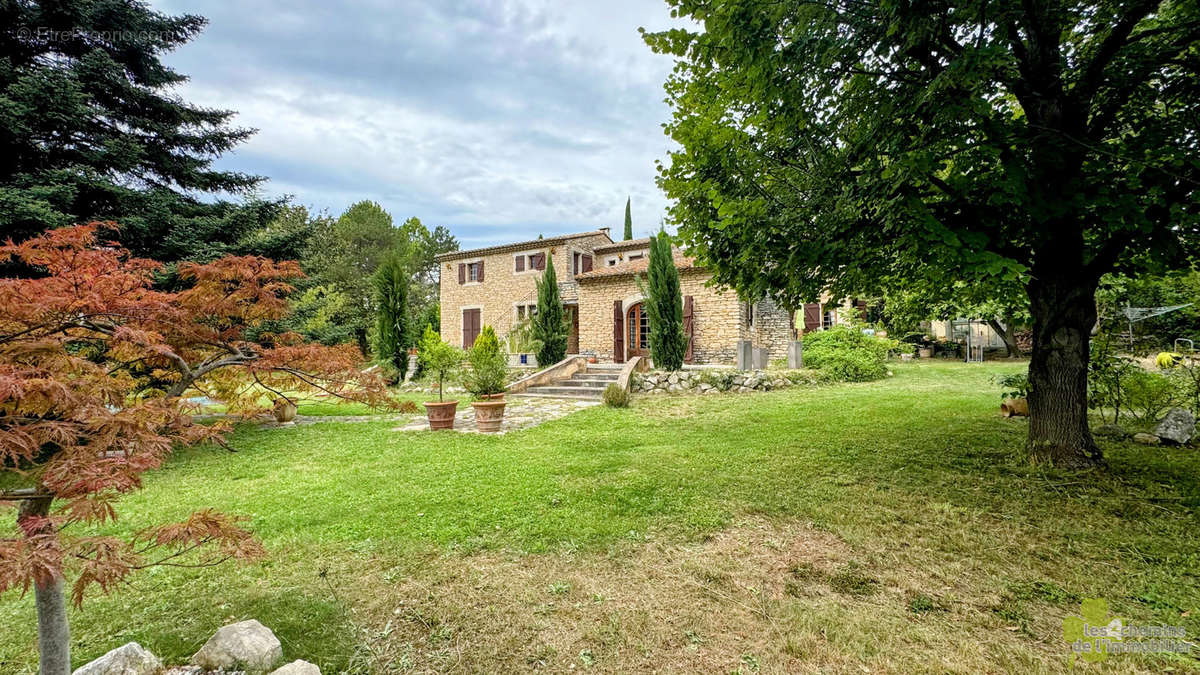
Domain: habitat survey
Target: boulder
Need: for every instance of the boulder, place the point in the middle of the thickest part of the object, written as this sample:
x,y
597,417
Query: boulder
x,y
129,659
1177,426
246,645
1146,439
297,668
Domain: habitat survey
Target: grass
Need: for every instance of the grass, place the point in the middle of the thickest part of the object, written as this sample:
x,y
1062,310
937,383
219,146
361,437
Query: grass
x,y
888,526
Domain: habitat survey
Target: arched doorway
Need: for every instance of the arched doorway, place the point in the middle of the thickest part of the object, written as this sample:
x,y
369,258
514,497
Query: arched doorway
x,y
637,331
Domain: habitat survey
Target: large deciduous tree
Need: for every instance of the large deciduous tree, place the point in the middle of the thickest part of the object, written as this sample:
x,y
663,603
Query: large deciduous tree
x,y
94,361
91,128
830,146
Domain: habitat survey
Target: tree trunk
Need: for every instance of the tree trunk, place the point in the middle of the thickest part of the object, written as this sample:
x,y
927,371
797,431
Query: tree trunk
x,y
54,633
1005,332
1064,311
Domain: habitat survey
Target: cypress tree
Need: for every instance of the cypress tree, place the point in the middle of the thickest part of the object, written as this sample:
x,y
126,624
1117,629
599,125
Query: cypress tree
x,y
664,306
391,323
550,323
628,222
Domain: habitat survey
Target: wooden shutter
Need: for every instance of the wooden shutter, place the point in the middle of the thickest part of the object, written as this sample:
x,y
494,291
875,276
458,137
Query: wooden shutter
x,y
539,261
862,308
480,276
587,263
618,332
812,317
470,327
689,329
462,273
519,263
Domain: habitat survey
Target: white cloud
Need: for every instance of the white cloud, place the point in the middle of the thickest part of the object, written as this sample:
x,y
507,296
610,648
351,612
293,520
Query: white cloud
x,y
501,120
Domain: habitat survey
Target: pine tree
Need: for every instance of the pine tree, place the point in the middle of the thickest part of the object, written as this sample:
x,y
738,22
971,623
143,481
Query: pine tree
x,y
391,326
550,322
94,130
664,306
628,222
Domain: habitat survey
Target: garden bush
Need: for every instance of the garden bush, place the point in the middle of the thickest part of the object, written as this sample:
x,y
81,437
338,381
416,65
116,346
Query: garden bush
x,y
488,366
615,396
846,354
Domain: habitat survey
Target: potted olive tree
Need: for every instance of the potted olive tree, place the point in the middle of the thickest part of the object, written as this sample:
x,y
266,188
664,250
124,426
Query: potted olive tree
x,y
486,379
440,360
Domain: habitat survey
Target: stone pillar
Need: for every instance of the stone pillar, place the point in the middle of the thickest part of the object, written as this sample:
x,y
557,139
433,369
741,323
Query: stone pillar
x,y
762,358
745,355
795,355
412,368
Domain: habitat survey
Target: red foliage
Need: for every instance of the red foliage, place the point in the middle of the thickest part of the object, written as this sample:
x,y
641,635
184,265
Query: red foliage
x,y
94,361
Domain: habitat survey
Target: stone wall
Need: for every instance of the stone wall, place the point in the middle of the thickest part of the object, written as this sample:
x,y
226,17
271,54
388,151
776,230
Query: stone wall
x,y
502,288
717,315
715,381
771,328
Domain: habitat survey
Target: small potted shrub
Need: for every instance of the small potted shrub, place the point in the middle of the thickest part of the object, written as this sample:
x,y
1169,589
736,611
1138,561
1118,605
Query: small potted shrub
x,y
1014,400
440,360
486,377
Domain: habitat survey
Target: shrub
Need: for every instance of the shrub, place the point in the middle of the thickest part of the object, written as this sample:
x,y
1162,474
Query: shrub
x,y
846,354
487,366
440,359
1149,394
615,396
1014,386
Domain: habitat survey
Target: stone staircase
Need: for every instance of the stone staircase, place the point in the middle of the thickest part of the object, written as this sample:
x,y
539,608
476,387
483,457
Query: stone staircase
x,y
587,385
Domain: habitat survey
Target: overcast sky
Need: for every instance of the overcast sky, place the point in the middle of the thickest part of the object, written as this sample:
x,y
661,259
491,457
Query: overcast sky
x,y
501,119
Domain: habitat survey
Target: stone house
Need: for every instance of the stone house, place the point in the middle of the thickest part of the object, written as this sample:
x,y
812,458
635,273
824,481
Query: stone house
x,y
598,281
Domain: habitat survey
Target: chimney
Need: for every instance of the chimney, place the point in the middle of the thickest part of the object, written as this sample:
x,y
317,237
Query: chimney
x,y
606,231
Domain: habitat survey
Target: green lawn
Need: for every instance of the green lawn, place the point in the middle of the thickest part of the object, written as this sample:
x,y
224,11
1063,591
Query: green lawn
x,y
890,526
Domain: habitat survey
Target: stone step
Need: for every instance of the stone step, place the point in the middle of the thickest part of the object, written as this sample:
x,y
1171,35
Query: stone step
x,y
575,392
606,377
583,384
604,367
532,394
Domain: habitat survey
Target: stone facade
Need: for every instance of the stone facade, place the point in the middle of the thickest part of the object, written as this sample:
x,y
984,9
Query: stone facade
x,y
719,318
504,289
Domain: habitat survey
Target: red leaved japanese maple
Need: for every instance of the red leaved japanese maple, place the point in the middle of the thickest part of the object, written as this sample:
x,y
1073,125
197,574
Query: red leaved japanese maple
x,y
94,361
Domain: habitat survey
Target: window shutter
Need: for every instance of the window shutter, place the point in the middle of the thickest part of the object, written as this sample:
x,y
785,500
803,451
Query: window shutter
x,y
587,263
689,329
812,317
462,273
480,263
519,263
539,261
618,333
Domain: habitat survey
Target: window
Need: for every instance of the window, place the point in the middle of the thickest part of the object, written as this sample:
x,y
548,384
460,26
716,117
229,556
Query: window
x,y
749,315
580,263
611,262
526,310
828,319
637,256
475,271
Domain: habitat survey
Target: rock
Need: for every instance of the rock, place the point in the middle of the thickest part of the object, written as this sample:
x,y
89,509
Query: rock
x,y
1111,431
1177,426
297,668
1146,439
129,659
245,645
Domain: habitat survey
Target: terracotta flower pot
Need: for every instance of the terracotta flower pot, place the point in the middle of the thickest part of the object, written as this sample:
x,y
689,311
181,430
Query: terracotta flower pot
x,y
285,411
925,352
489,414
441,414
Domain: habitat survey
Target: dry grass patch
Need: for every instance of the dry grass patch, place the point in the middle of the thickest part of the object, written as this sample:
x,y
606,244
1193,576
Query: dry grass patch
x,y
761,596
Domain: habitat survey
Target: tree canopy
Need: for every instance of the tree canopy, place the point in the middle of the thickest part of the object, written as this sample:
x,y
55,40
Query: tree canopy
x,y
835,146
91,129
94,361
